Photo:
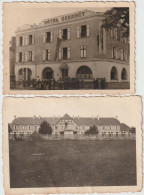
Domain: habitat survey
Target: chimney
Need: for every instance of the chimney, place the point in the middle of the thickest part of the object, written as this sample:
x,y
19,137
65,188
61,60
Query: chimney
x,y
97,117
34,117
39,117
14,116
117,117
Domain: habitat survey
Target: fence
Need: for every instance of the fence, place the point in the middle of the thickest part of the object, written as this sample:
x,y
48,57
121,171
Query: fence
x,y
130,136
89,137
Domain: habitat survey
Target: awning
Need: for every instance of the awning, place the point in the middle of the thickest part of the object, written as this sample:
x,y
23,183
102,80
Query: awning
x,y
64,66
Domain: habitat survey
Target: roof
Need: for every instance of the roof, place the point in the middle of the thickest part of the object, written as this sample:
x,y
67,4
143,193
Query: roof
x,y
124,127
66,116
35,121
55,120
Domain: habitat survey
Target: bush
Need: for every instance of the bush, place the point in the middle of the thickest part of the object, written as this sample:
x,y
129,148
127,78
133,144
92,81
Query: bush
x,y
35,136
92,130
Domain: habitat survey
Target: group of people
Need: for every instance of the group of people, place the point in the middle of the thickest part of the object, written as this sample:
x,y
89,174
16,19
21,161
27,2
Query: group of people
x,y
64,84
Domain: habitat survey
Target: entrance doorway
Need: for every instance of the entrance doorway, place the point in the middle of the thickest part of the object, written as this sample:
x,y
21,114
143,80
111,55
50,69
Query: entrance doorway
x,y
48,73
64,73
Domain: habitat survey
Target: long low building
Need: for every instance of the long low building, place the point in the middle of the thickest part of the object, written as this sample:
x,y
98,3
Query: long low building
x,y
73,46
70,125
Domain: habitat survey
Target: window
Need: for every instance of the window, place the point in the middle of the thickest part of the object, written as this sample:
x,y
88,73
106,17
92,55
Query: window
x,y
64,34
125,55
20,57
47,54
30,56
20,41
48,37
66,53
30,39
114,73
83,51
122,54
113,52
84,72
124,74
83,31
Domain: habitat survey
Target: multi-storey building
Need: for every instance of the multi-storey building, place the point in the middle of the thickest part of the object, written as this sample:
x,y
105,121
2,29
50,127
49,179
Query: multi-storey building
x,y
75,46
70,125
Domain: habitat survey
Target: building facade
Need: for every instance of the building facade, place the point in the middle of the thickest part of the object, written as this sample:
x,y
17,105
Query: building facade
x,y
67,125
12,60
73,46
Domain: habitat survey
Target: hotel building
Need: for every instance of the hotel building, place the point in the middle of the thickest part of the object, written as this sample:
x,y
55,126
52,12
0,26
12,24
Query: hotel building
x,y
73,46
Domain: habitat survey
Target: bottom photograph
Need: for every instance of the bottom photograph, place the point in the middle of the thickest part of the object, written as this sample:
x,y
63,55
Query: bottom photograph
x,y
72,144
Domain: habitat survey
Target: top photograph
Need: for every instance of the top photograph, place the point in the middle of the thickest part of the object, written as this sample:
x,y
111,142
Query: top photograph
x,y
68,48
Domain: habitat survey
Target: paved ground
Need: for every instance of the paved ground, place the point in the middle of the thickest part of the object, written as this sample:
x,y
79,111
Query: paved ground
x,y
72,163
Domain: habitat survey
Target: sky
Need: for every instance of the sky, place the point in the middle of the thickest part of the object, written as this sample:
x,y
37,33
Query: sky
x,y
17,15
127,109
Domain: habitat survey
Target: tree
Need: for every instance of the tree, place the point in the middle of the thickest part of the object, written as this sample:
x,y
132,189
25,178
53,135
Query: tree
x,y
133,130
45,128
117,17
92,130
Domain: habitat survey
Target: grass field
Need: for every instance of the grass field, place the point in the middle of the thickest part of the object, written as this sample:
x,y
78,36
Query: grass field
x,y
72,163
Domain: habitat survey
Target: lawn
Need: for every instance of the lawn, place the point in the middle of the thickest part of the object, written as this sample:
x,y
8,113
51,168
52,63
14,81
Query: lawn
x,y
72,163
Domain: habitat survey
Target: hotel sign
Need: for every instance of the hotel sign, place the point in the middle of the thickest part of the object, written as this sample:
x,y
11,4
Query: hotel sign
x,y
65,18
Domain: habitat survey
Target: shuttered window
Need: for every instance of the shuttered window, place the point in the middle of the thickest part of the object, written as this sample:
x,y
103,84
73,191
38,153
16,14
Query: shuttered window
x,y
60,34
44,37
60,53
47,54
26,57
69,53
44,55
88,30
32,56
68,34
51,38
78,32
122,54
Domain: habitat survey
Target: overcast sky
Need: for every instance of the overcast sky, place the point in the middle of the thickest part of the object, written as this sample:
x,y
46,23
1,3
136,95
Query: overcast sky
x,y
128,109
17,15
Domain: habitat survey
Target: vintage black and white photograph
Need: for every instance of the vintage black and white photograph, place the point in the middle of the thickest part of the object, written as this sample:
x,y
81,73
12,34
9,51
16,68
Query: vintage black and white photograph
x,y
65,47
68,143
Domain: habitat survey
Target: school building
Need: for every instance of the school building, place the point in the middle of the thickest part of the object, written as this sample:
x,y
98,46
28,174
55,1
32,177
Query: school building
x,y
68,126
74,45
